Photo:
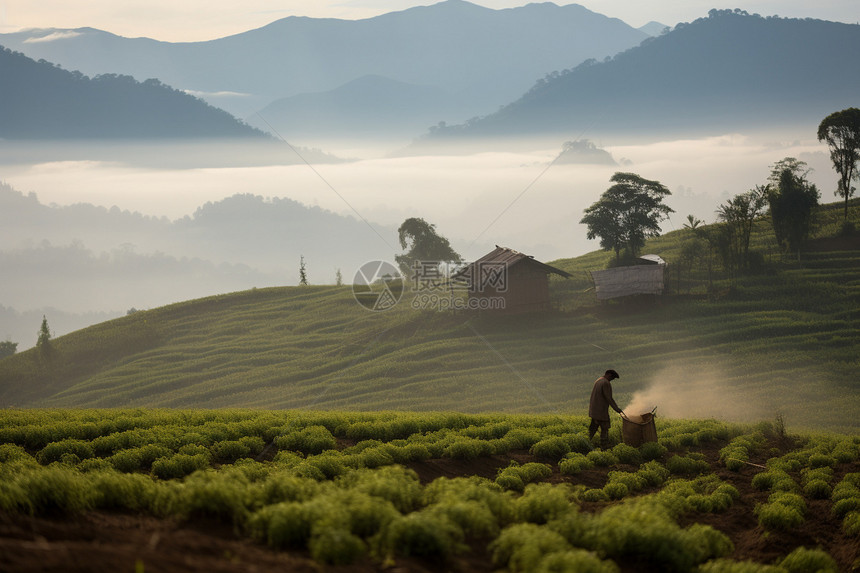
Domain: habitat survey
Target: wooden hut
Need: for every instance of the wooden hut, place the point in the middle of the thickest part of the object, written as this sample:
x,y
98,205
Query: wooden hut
x,y
505,280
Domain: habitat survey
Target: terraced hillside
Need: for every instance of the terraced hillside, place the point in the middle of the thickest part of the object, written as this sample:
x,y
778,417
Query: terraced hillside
x,y
782,340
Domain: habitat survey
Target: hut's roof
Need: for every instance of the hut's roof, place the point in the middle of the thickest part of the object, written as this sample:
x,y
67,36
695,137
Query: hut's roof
x,y
510,257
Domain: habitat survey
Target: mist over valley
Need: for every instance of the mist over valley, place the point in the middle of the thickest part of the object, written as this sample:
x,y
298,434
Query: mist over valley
x,y
369,125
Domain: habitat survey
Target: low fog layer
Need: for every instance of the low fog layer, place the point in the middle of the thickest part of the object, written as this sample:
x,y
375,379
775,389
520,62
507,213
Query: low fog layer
x,y
155,234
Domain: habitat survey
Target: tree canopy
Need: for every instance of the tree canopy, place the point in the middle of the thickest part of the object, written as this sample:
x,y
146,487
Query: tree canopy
x,y
739,215
841,132
422,244
627,213
792,201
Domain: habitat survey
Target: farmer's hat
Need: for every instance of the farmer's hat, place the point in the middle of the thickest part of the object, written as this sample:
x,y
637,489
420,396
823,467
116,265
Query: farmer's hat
x,y
611,374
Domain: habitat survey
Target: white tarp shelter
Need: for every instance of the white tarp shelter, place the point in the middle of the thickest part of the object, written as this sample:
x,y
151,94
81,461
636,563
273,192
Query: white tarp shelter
x,y
637,279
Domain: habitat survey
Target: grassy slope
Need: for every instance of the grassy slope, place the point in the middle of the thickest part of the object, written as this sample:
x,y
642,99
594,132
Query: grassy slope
x,y
781,341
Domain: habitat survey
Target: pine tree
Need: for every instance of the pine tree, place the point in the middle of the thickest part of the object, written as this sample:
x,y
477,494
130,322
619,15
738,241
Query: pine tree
x,y
303,275
43,343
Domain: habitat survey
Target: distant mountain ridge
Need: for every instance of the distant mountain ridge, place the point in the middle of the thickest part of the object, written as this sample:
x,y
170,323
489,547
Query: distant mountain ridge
x,y
41,101
359,109
728,71
483,57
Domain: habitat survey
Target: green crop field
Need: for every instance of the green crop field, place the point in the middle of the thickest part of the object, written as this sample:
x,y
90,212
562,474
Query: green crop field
x,y
292,429
235,490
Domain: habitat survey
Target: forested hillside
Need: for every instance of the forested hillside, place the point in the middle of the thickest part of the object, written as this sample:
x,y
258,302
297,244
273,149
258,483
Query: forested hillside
x,y
43,101
731,70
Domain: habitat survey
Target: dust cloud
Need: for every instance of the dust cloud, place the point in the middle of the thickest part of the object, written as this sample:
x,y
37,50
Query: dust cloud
x,y
691,391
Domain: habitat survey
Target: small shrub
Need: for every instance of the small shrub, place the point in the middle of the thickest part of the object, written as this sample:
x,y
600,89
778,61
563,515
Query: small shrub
x,y
594,495
824,474
335,546
515,476
510,481
554,447
126,461
627,454
821,461
330,466
574,463
845,452
472,517
375,457
281,487
113,490
783,511
216,494
575,561
817,489
774,480
844,506
56,489
844,490
851,524
228,451
311,440
13,498
421,534
543,502
54,451
803,560
653,473
395,484
602,458
12,452
652,451
687,465
283,525
468,449
616,490
367,514
521,546
178,466
523,438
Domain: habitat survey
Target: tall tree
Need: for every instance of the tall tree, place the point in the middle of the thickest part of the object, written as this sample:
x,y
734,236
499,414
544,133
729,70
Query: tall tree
x,y
423,246
43,343
303,273
627,213
792,201
739,214
841,131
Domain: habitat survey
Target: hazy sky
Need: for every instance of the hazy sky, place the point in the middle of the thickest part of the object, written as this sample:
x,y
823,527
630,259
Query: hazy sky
x,y
192,20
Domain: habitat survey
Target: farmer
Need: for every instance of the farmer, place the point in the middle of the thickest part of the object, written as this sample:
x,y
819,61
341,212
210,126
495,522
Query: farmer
x,y
598,408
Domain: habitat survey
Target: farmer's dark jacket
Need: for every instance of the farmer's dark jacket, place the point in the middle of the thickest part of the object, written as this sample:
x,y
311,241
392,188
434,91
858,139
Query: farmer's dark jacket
x,y
601,400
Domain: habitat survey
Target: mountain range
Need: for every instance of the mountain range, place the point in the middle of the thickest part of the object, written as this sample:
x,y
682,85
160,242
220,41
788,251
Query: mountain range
x,y
729,71
471,72
478,57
